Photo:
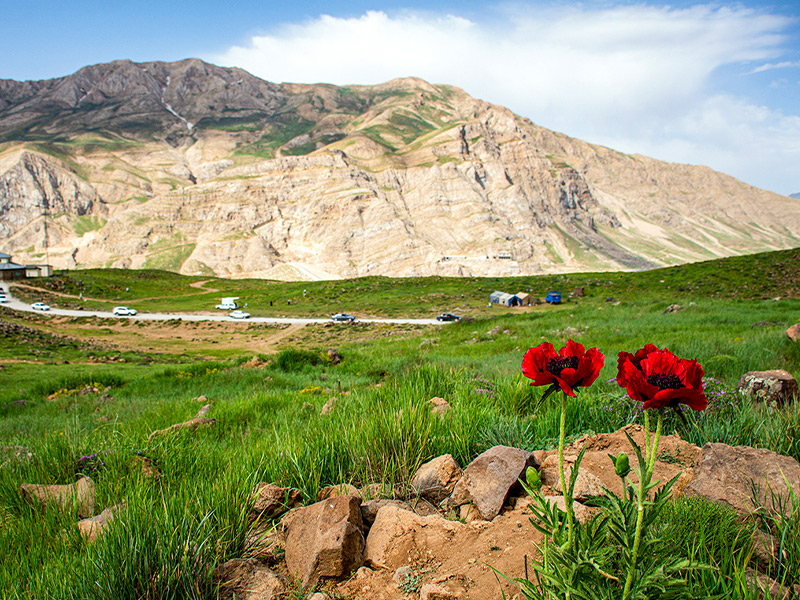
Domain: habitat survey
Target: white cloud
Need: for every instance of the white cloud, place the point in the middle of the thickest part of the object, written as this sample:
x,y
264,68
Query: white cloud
x,y
770,66
636,75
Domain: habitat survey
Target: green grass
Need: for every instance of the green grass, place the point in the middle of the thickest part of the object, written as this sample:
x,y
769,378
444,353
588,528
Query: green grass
x,y
269,426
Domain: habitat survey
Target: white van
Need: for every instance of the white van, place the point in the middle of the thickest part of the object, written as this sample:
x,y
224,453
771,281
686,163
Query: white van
x,y
228,303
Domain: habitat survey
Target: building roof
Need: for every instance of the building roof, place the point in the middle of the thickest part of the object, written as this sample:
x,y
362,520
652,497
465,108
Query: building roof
x,y
9,266
4,255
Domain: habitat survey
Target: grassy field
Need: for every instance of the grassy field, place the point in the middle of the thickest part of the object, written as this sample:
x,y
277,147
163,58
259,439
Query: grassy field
x,y
269,427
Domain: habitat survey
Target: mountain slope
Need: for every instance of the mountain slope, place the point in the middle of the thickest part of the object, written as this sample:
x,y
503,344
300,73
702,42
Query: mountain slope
x,y
201,169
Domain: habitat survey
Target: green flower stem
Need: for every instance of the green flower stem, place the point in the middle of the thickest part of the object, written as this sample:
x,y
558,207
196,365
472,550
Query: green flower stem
x,y
564,490
644,481
647,436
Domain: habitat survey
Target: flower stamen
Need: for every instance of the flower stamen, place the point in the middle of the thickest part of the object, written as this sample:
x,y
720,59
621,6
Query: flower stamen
x,y
556,365
665,382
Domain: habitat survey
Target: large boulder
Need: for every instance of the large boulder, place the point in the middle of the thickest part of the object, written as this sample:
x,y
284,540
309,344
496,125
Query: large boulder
x,y
727,474
398,535
271,500
79,494
489,479
775,387
324,539
794,332
248,579
370,508
436,479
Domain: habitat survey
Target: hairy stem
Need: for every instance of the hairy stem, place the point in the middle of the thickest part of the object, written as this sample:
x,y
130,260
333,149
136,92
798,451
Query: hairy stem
x,y
644,481
564,490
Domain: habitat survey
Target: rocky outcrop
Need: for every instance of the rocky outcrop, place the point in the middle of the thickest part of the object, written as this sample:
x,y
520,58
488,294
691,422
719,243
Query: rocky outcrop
x,y
774,388
436,479
733,475
78,495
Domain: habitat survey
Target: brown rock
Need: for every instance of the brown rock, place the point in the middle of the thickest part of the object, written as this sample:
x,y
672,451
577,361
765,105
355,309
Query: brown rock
x,y
79,494
424,508
430,591
369,509
725,473
439,406
334,357
248,579
92,527
488,480
578,292
398,535
329,406
199,420
769,589
672,308
334,491
272,500
324,539
794,332
774,387
436,479
587,485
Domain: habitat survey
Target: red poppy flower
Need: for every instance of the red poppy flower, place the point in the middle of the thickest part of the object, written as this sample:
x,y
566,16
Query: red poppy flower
x,y
636,359
662,380
570,367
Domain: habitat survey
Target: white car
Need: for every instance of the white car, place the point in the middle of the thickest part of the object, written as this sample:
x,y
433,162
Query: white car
x,y
40,306
239,314
3,297
124,311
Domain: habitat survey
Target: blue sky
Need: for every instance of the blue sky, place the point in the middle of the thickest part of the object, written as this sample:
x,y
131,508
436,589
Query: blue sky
x,y
714,84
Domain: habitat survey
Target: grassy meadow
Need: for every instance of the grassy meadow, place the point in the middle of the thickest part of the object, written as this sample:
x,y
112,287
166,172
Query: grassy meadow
x,y
267,404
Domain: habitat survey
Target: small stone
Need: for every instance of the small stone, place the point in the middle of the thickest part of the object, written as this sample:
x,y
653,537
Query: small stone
x,y
672,308
271,500
334,491
794,332
401,574
248,579
436,479
775,387
91,528
439,406
430,591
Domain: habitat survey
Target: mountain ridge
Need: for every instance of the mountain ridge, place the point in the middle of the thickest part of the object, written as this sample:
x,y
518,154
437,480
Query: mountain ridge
x,y
208,170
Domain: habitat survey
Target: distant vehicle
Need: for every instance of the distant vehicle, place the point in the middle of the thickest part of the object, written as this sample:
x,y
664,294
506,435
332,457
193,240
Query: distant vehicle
x,y
40,306
448,317
124,311
553,298
228,303
343,317
3,298
239,314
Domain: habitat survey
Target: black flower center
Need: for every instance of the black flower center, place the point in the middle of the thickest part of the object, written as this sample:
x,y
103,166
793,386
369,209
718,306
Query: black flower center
x,y
556,365
665,382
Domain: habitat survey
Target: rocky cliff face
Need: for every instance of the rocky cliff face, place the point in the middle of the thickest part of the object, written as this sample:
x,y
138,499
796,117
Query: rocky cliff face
x,y
203,170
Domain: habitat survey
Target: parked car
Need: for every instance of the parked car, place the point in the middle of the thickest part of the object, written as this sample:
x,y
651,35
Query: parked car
x,y
343,317
40,306
239,314
553,298
448,317
124,311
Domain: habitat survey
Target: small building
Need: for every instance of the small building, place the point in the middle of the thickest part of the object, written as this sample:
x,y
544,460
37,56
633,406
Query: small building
x,y
9,271
524,299
503,299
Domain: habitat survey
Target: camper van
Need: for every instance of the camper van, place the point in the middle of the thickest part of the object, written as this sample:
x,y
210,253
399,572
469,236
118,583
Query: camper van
x,y
228,303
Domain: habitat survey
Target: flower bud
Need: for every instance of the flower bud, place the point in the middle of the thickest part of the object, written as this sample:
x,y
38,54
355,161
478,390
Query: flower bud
x,y
533,479
622,465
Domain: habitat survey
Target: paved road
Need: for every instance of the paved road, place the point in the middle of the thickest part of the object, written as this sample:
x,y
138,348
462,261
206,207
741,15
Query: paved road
x,y
15,304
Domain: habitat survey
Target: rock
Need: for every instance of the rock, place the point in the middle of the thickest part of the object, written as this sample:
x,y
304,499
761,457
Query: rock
x,y
493,331
369,509
439,406
199,420
145,466
329,406
724,474
92,527
430,591
794,332
424,508
775,387
202,399
398,534
578,292
488,480
769,589
672,308
401,574
334,491
324,539
272,500
319,596
79,494
765,549
587,485
248,579
436,479
379,490
334,357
